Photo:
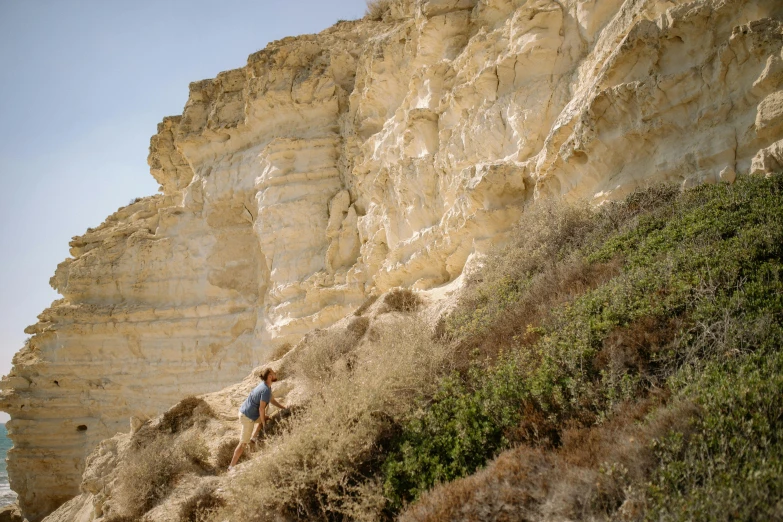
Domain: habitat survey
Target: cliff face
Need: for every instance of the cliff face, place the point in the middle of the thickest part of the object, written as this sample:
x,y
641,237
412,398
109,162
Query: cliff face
x,y
370,156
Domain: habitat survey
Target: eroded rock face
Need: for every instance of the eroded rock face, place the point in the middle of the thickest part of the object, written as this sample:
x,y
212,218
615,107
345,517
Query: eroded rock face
x,y
374,155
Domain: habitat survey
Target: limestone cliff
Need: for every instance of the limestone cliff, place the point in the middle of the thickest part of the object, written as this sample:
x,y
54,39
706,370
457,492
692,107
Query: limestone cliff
x,y
373,155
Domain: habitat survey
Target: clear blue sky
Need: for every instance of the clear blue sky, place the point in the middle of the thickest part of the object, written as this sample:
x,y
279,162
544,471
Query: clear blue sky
x,y
83,84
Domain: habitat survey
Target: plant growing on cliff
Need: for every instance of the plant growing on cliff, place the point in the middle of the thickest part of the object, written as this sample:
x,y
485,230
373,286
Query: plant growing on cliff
x,y
323,466
376,9
589,368
160,458
149,478
202,505
694,311
401,300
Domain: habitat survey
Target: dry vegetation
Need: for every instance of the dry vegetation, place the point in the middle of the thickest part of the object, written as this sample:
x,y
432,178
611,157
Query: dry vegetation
x,y
325,349
377,9
281,350
225,453
323,466
160,458
150,477
401,300
519,284
621,363
185,414
593,474
366,305
202,505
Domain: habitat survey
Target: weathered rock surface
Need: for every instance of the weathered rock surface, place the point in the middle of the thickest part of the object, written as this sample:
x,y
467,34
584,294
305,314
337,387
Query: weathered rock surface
x,y
11,513
219,428
374,155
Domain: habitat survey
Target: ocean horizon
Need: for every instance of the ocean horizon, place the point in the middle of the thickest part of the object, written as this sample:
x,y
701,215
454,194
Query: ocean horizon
x,y
7,496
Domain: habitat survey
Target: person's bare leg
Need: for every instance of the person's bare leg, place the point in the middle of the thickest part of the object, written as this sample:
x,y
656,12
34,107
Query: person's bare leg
x,y
237,454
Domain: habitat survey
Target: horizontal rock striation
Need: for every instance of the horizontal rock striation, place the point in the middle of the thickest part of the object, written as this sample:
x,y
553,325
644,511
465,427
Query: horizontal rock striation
x,y
373,155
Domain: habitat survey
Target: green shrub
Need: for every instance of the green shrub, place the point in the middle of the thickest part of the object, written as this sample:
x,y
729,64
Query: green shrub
x,y
463,427
730,467
692,267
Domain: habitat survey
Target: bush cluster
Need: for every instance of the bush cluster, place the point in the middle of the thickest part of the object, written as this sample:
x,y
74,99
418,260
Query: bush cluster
x,y
377,9
159,459
323,466
698,279
463,426
621,362
401,300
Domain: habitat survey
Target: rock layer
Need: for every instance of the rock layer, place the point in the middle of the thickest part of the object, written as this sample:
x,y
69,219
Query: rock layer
x,y
373,155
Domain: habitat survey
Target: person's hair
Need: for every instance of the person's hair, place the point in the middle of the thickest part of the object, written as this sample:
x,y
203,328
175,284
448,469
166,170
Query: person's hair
x,y
265,374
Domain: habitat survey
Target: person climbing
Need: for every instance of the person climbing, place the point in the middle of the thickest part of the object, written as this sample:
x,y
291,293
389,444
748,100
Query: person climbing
x,y
252,413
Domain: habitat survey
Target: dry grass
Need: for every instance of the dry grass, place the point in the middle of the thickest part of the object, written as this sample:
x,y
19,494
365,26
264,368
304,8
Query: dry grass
x,y
358,326
324,350
149,476
184,414
202,505
518,285
321,466
159,459
195,451
280,351
120,518
377,9
515,323
365,305
401,300
544,233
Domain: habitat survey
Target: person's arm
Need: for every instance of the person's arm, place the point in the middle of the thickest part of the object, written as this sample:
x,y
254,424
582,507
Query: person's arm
x,y
274,401
261,421
262,413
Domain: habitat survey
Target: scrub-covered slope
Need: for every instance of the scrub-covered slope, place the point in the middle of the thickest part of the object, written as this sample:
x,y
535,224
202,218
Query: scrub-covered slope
x,y
622,363
379,153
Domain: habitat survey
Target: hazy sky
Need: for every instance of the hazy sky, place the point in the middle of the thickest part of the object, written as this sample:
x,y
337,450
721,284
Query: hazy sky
x,y
83,85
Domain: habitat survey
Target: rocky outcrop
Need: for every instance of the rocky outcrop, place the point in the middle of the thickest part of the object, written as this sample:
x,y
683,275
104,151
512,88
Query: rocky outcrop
x,y
218,430
373,155
11,513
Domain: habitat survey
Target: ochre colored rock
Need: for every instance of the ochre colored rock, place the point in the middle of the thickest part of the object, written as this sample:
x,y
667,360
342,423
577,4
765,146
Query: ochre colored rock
x,y
373,155
11,513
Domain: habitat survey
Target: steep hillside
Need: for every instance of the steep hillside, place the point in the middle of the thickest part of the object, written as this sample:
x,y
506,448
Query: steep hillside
x,y
622,364
381,153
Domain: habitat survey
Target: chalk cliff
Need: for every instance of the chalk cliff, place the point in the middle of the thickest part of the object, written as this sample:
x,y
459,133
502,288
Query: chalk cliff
x,y
373,155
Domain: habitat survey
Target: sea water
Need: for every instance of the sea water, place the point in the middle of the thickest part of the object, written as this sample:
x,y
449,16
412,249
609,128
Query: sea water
x,y
6,495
